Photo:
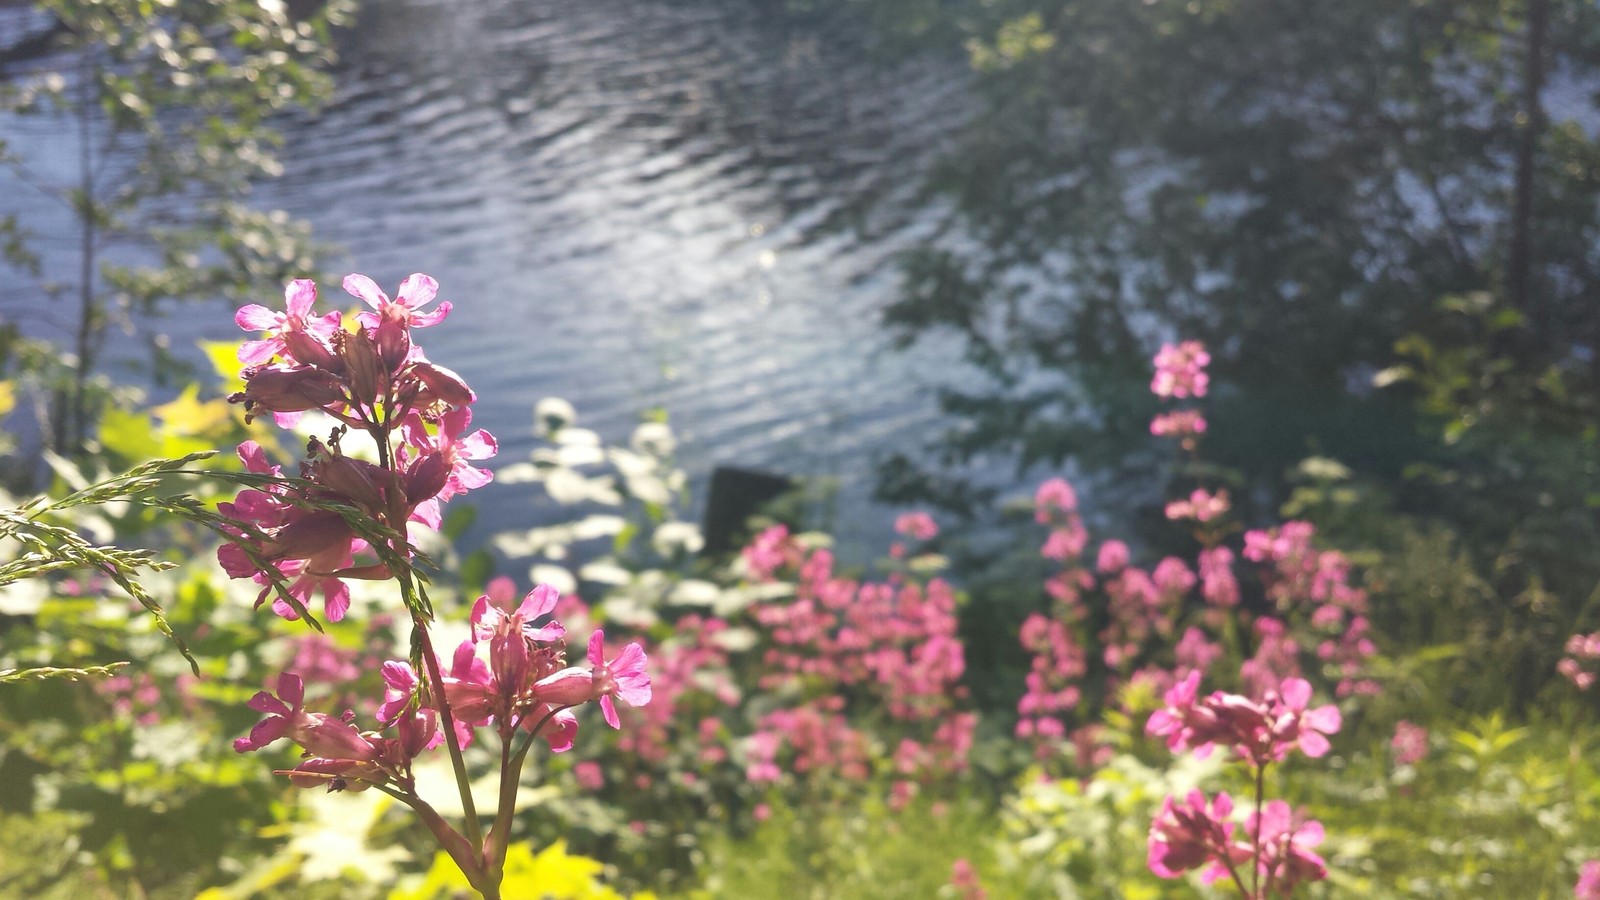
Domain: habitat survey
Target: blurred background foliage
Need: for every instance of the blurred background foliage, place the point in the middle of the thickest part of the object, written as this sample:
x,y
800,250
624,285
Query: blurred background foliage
x,y
1381,217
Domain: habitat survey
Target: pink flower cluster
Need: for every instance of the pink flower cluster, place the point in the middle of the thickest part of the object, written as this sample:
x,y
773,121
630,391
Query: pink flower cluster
x,y
691,663
1409,744
1578,665
964,878
891,644
524,684
138,696
1201,506
1588,886
1180,370
1194,832
1180,373
1258,731
1306,583
917,525
770,551
372,379
1181,423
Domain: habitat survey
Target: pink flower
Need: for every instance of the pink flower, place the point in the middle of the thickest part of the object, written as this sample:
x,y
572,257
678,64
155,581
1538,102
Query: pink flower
x,y
1054,495
769,551
1217,582
1182,721
623,677
299,296
964,878
1183,423
455,453
1305,728
1195,833
1065,542
917,525
1410,744
321,735
1286,857
1588,886
1113,558
1201,506
400,683
589,775
417,291
1180,370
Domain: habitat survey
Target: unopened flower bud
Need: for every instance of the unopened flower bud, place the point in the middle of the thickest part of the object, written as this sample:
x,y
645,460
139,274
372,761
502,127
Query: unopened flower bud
x,y
306,537
442,384
368,374
352,479
568,687
310,350
288,390
393,341
426,478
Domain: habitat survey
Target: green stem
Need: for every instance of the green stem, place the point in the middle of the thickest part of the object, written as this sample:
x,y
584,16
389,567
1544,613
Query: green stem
x,y
447,722
1255,839
511,762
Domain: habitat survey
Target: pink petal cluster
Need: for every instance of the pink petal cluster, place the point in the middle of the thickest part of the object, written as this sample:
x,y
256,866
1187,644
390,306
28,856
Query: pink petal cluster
x,y
1201,506
770,551
964,878
1194,832
916,525
1578,665
525,683
893,641
689,669
1258,731
1409,744
337,755
1180,370
1180,423
371,379
1286,841
1303,581
1588,886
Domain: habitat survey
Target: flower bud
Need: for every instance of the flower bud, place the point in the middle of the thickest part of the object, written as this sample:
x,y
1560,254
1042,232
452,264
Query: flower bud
x,y
426,477
336,774
568,687
442,384
307,537
331,738
288,390
368,374
393,342
352,479
310,350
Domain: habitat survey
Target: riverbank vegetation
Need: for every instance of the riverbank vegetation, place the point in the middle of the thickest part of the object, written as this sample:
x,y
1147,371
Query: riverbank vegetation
x,y
1300,304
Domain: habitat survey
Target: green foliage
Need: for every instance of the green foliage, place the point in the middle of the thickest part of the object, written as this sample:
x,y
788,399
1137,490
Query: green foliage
x,y
850,846
170,103
1493,811
1073,838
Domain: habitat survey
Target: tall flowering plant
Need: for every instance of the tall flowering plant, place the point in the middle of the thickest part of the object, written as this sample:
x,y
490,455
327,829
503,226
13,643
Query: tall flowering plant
x,y
1111,624
350,516
1165,629
1274,851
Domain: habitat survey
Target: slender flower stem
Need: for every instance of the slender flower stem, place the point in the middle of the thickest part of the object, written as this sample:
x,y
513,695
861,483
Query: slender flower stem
x,y
447,722
1255,839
